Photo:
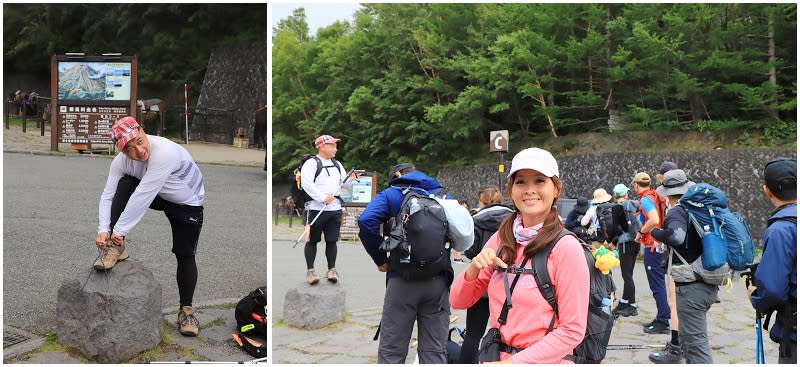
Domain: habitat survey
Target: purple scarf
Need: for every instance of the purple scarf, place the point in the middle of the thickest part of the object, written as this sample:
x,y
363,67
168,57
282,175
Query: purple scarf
x,y
524,235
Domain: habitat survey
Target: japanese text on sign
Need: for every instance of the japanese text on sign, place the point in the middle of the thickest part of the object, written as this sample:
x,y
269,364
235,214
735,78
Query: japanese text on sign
x,y
88,124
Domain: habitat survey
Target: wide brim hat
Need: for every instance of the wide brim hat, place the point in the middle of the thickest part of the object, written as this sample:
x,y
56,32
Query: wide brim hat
x,y
600,196
675,183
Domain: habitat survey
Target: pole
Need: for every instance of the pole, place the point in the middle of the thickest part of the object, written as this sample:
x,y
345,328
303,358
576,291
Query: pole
x,y
633,346
186,109
759,341
501,168
40,115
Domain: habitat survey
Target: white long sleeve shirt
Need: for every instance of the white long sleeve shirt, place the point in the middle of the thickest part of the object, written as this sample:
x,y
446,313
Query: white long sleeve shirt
x,y
169,172
590,217
330,178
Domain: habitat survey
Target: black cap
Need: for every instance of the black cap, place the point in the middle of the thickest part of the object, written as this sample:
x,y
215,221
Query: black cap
x,y
666,167
780,176
582,205
398,168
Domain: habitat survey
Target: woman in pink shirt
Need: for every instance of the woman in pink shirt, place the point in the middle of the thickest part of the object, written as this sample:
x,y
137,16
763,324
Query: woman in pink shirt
x,y
534,187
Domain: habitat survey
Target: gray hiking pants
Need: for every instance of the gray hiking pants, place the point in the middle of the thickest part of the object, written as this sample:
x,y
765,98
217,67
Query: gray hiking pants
x,y
428,303
693,301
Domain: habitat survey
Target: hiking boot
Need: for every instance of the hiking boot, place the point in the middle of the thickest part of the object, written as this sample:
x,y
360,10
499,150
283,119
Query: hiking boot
x,y
625,310
187,323
312,277
657,327
650,323
111,254
332,275
670,355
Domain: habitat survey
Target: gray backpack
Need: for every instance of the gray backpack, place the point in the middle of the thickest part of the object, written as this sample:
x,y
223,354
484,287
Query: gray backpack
x,y
631,208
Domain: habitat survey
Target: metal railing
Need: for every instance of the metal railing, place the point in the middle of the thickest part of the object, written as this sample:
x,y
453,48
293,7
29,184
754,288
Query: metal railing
x,y
285,210
210,124
33,110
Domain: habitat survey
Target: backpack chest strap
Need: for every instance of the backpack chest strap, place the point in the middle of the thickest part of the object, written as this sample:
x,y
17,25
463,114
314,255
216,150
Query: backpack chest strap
x,y
507,305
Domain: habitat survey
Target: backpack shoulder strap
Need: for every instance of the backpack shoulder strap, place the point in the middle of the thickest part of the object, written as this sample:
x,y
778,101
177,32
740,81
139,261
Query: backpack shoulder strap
x,y
543,278
319,167
338,164
501,319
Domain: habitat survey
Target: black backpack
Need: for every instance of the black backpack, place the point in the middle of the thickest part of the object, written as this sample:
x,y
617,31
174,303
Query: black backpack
x,y
452,348
599,324
299,196
486,220
251,323
253,347
417,243
251,313
609,228
582,233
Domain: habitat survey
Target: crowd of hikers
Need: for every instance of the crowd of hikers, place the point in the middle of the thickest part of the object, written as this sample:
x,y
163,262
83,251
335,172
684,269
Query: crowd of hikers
x,y
565,303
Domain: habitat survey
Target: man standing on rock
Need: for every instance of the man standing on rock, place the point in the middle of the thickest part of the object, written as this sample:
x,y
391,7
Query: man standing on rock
x,y
322,177
153,172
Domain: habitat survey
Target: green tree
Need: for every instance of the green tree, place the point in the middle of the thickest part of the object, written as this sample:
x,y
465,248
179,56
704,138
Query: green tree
x,y
427,82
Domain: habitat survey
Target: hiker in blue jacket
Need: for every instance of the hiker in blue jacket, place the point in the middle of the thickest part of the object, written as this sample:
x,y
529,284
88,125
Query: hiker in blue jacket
x,y
425,301
775,280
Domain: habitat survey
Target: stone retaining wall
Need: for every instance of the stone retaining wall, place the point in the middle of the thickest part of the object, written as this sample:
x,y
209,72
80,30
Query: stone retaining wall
x,y
236,79
738,172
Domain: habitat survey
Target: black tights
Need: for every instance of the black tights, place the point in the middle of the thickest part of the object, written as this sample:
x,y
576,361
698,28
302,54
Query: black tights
x,y
186,276
627,259
311,254
186,222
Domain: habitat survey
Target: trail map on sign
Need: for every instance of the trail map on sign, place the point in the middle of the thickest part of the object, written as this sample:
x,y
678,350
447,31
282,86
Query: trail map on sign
x,y
94,81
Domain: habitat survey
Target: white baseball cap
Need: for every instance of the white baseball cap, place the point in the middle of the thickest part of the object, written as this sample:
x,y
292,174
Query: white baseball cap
x,y
535,159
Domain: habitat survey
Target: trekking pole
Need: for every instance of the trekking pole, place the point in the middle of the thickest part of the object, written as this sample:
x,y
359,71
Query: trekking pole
x,y
759,341
633,346
307,228
255,361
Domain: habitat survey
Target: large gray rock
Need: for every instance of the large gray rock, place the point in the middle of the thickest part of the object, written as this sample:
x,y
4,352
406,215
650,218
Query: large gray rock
x,y
314,306
114,317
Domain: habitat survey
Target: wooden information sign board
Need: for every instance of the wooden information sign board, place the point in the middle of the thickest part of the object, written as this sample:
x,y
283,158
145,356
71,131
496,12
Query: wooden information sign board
x,y
88,124
89,94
